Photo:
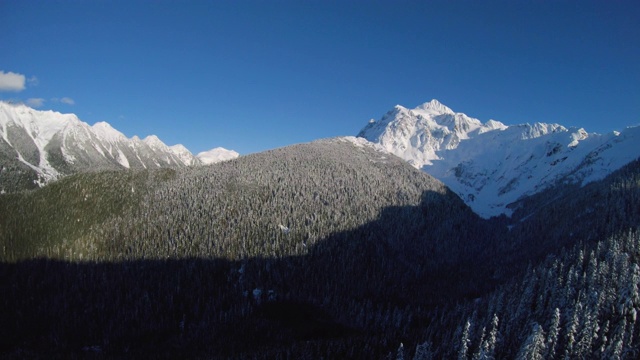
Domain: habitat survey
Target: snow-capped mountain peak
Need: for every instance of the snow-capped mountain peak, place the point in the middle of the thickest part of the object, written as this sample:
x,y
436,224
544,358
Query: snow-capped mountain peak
x,y
418,134
106,132
433,107
216,155
22,116
492,125
492,165
39,146
184,154
179,149
154,142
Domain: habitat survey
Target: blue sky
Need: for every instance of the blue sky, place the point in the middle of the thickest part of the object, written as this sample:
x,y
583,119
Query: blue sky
x,y
255,75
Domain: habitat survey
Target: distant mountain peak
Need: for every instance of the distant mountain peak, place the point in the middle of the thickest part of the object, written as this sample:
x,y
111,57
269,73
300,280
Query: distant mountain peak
x,y
492,165
216,155
434,107
179,148
184,154
103,125
398,109
105,131
153,140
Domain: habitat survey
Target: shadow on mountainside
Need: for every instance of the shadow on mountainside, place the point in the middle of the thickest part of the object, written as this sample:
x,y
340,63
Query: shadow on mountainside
x,y
569,213
353,288
355,294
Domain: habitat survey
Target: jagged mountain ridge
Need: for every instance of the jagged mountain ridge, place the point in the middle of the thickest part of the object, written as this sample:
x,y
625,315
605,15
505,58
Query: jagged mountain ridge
x,y
39,146
491,165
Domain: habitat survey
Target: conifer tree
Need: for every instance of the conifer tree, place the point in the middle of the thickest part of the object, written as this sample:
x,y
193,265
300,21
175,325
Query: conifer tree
x,y
534,346
554,332
465,341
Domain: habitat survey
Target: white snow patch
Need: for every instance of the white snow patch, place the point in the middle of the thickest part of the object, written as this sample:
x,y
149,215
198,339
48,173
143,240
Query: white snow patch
x,y
122,159
283,228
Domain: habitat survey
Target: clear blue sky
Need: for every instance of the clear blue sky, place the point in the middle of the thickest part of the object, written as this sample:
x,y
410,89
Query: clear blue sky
x,y
254,75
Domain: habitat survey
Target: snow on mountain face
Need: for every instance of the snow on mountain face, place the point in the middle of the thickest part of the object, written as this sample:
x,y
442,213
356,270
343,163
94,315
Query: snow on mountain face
x,y
184,155
417,135
39,146
492,165
216,155
105,131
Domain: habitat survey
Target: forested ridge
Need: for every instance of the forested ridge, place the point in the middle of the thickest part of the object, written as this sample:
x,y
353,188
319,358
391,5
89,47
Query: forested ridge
x,y
319,250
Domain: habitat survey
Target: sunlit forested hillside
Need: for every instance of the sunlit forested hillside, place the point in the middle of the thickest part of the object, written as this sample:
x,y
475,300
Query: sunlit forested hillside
x,y
323,250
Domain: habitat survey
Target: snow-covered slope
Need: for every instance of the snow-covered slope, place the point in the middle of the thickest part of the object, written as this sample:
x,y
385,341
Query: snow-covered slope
x,y
491,165
216,155
40,146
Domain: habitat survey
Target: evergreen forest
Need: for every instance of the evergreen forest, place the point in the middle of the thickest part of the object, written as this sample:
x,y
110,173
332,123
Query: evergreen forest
x,y
324,250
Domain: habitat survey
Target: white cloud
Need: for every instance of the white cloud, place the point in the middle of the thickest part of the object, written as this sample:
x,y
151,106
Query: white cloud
x,y
67,100
11,81
64,100
33,81
35,102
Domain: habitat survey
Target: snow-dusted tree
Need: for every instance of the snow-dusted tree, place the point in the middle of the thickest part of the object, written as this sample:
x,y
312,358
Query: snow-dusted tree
x,y
479,351
534,346
629,298
572,331
552,339
588,333
465,341
400,352
604,333
488,343
615,349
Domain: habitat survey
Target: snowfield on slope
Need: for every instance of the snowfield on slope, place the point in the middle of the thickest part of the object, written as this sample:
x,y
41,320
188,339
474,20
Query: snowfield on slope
x,y
491,165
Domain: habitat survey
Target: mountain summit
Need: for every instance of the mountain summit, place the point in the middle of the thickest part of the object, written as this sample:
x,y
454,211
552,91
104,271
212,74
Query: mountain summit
x,y
216,155
417,135
491,165
434,107
39,146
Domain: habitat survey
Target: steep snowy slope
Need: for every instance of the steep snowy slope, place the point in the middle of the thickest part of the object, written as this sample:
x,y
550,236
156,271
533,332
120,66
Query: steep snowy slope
x,y
491,165
40,146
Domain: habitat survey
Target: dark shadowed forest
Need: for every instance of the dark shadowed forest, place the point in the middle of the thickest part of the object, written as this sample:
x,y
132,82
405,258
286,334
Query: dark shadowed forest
x,y
320,250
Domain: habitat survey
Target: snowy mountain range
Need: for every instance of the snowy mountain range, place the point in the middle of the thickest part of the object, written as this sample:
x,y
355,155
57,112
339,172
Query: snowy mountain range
x,y
40,146
491,165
